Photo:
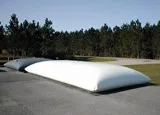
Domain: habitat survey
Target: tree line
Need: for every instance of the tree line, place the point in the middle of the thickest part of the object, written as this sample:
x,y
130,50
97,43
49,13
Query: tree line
x,y
32,39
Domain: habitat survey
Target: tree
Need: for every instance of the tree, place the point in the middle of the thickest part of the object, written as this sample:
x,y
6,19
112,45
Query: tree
x,y
156,40
1,38
147,51
32,39
106,41
138,34
48,40
134,33
13,35
116,41
92,37
103,39
24,37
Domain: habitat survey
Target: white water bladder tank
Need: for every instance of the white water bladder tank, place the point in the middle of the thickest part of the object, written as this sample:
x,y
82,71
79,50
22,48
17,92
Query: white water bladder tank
x,y
90,76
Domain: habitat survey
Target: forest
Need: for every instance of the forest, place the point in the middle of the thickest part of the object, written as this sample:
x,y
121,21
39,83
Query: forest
x,y
32,39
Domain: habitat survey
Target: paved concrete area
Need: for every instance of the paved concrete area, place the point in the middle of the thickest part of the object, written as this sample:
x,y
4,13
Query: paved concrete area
x,y
133,61
27,94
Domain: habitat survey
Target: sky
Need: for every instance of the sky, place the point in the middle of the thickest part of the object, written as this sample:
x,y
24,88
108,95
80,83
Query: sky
x,y
74,15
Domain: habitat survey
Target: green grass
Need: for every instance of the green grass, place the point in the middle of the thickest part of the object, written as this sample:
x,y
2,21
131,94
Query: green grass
x,y
152,70
93,59
100,59
3,60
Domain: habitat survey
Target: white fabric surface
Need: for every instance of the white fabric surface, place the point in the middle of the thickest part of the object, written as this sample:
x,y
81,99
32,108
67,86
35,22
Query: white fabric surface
x,y
90,76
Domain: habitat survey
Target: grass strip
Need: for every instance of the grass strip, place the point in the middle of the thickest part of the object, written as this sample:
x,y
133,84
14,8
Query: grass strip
x,y
152,70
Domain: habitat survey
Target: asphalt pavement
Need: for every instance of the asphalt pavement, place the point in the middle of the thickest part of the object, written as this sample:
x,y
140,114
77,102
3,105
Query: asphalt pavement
x,y
27,94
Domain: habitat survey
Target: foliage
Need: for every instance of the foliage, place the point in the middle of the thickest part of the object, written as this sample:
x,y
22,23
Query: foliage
x,y
1,37
31,39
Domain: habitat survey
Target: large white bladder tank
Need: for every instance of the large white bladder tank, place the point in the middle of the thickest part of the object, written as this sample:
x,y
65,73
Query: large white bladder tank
x,y
90,76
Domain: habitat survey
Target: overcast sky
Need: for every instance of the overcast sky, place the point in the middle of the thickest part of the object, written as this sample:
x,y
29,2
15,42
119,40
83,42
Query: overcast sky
x,y
73,15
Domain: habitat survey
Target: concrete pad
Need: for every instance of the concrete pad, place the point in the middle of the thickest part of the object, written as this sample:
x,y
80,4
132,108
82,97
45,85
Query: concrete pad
x,y
33,95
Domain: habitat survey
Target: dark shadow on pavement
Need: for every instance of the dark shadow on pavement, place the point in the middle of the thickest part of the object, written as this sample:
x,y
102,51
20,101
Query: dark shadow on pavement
x,y
107,92
2,70
123,89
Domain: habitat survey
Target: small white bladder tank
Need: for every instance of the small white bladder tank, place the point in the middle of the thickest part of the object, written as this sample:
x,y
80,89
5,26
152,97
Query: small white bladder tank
x,y
91,76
